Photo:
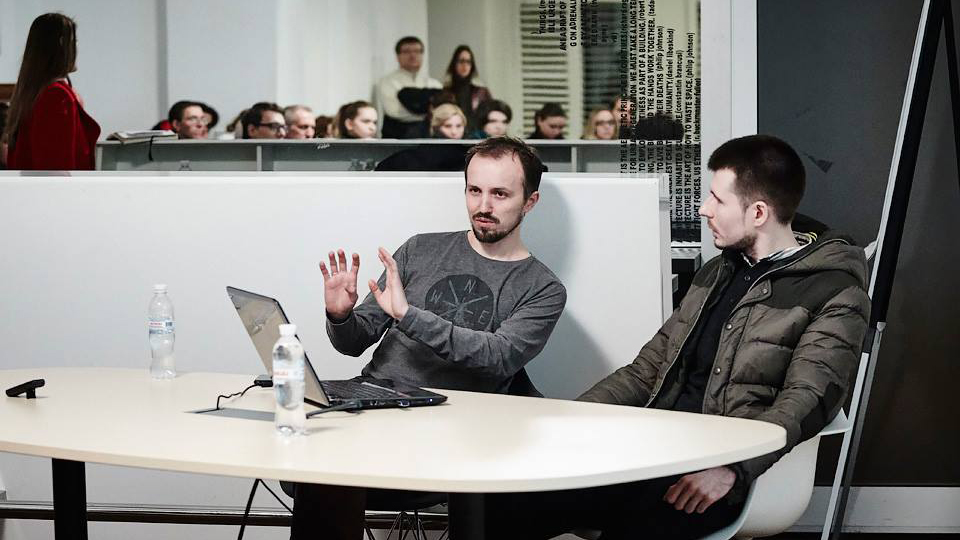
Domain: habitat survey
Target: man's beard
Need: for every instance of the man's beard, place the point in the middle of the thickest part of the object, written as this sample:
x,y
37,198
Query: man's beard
x,y
491,236
744,244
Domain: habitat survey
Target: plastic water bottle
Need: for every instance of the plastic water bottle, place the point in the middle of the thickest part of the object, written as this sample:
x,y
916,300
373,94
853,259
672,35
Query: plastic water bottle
x,y
161,333
290,417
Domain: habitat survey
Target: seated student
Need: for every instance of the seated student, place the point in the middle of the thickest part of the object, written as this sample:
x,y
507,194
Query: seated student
x,y
600,125
550,122
187,121
357,120
300,122
263,120
447,122
464,310
210,119
771,330
493,117
324,126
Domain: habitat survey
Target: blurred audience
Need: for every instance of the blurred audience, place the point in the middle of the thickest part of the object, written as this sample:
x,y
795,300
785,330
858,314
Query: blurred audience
x,y
264,120
494,118
210,119
399,120
187,120
601,125
448,122
550,122
357,120
325,126
300,122
461,81
659,126
47,127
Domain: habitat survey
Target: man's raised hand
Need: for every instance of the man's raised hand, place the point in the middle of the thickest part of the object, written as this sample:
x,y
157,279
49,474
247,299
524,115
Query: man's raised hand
x,y
340,284
392,299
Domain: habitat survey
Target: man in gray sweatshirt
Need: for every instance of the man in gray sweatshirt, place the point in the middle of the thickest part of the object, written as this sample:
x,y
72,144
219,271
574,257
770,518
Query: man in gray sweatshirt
x,y
461,310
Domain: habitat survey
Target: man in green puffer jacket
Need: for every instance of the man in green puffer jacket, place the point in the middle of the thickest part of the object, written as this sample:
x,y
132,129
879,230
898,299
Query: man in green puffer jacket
x,y
770,330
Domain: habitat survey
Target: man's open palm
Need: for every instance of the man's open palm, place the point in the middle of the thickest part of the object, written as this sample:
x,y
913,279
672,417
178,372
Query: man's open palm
x,y
340,284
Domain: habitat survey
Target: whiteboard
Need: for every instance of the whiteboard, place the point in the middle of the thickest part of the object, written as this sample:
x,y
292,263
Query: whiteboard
x,y
81,253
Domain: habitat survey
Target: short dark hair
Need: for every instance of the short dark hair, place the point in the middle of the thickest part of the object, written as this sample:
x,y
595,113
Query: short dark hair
x,y
490,105
407,40
498,147
254,115
766,168
214,116
548,110
176,111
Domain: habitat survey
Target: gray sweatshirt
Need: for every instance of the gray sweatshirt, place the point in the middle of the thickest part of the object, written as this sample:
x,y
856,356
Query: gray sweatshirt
x,y
473,322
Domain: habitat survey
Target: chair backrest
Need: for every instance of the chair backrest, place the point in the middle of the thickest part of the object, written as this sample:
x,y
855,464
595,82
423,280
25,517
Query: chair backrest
x,y
779,496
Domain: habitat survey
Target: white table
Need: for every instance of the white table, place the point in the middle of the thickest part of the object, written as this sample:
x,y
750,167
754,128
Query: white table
x,y
473,444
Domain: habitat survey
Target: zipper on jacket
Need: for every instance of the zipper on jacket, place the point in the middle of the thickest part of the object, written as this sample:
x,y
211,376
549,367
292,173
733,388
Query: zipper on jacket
x,y
741,304
653,395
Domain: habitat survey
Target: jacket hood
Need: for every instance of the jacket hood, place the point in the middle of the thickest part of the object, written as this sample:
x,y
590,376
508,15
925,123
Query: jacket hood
x,y
829,250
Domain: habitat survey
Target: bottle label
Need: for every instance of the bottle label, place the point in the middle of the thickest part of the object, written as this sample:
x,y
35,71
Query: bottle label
x,y
282,375
160,326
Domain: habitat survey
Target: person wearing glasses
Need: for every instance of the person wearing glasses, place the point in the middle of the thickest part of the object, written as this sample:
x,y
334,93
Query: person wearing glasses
x,y
601,125
264,120
187,120
399,120
300,122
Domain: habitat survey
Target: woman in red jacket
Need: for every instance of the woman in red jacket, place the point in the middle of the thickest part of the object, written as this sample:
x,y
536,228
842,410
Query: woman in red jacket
x,y
47,128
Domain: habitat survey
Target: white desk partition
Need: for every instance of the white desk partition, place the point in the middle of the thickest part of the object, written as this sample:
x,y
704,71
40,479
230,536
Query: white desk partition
x,y
80,255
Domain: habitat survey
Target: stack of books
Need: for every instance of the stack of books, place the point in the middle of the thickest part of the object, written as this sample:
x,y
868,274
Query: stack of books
x,y
141,136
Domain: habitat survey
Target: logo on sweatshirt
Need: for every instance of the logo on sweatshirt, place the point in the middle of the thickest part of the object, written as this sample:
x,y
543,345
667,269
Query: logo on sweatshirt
x,y
462,299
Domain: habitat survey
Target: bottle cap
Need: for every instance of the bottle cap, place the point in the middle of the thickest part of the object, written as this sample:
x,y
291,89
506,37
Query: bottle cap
x,y
160,287
288,329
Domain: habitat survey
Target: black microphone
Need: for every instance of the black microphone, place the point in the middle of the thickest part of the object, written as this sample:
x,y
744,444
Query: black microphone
x,y
30,387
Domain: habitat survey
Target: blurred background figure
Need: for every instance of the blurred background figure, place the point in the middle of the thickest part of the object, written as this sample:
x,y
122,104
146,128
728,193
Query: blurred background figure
x,y
461,81
659,126
493,117
400,121
601,125
47,127
550,122
448,122
264,121
4,108
187,120
300,122
325,125
210,119
357,120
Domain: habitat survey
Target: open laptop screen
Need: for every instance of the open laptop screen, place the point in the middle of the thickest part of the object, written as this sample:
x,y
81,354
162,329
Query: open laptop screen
x,y
262,317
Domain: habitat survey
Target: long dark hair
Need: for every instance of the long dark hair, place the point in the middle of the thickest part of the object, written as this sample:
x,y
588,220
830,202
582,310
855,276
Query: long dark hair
x,y
50,54
452,79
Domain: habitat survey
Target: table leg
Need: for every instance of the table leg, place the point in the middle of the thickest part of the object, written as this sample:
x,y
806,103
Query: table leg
x,y
467,516
69,500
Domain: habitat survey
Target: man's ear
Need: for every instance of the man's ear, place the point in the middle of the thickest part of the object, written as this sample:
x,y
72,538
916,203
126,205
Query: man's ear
x,y
531,201
760,213
175,126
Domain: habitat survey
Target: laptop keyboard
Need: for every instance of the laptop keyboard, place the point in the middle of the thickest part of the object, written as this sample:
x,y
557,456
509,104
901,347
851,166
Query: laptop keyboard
x,y
347,390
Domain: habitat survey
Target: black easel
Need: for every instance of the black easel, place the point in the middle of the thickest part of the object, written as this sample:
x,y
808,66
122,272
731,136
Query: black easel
x,y
936,14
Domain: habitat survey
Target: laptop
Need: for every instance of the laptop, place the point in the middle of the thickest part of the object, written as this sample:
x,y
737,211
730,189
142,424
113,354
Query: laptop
x,y
262,316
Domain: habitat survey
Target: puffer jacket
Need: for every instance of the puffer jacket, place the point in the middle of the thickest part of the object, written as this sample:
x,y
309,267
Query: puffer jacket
x,y
787,354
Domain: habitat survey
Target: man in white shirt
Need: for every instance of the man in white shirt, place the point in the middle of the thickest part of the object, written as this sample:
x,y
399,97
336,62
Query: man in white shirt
x,y
398,121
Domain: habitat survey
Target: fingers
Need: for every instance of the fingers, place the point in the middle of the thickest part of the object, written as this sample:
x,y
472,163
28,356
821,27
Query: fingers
x,y
374,289
672,493
323,270
342,261
704,504
356,265
333,263
387,259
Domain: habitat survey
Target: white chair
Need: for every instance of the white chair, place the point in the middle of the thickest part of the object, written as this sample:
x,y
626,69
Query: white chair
x,y
779,496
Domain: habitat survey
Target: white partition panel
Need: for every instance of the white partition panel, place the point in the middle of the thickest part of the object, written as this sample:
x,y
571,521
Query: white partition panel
x,y
80,255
